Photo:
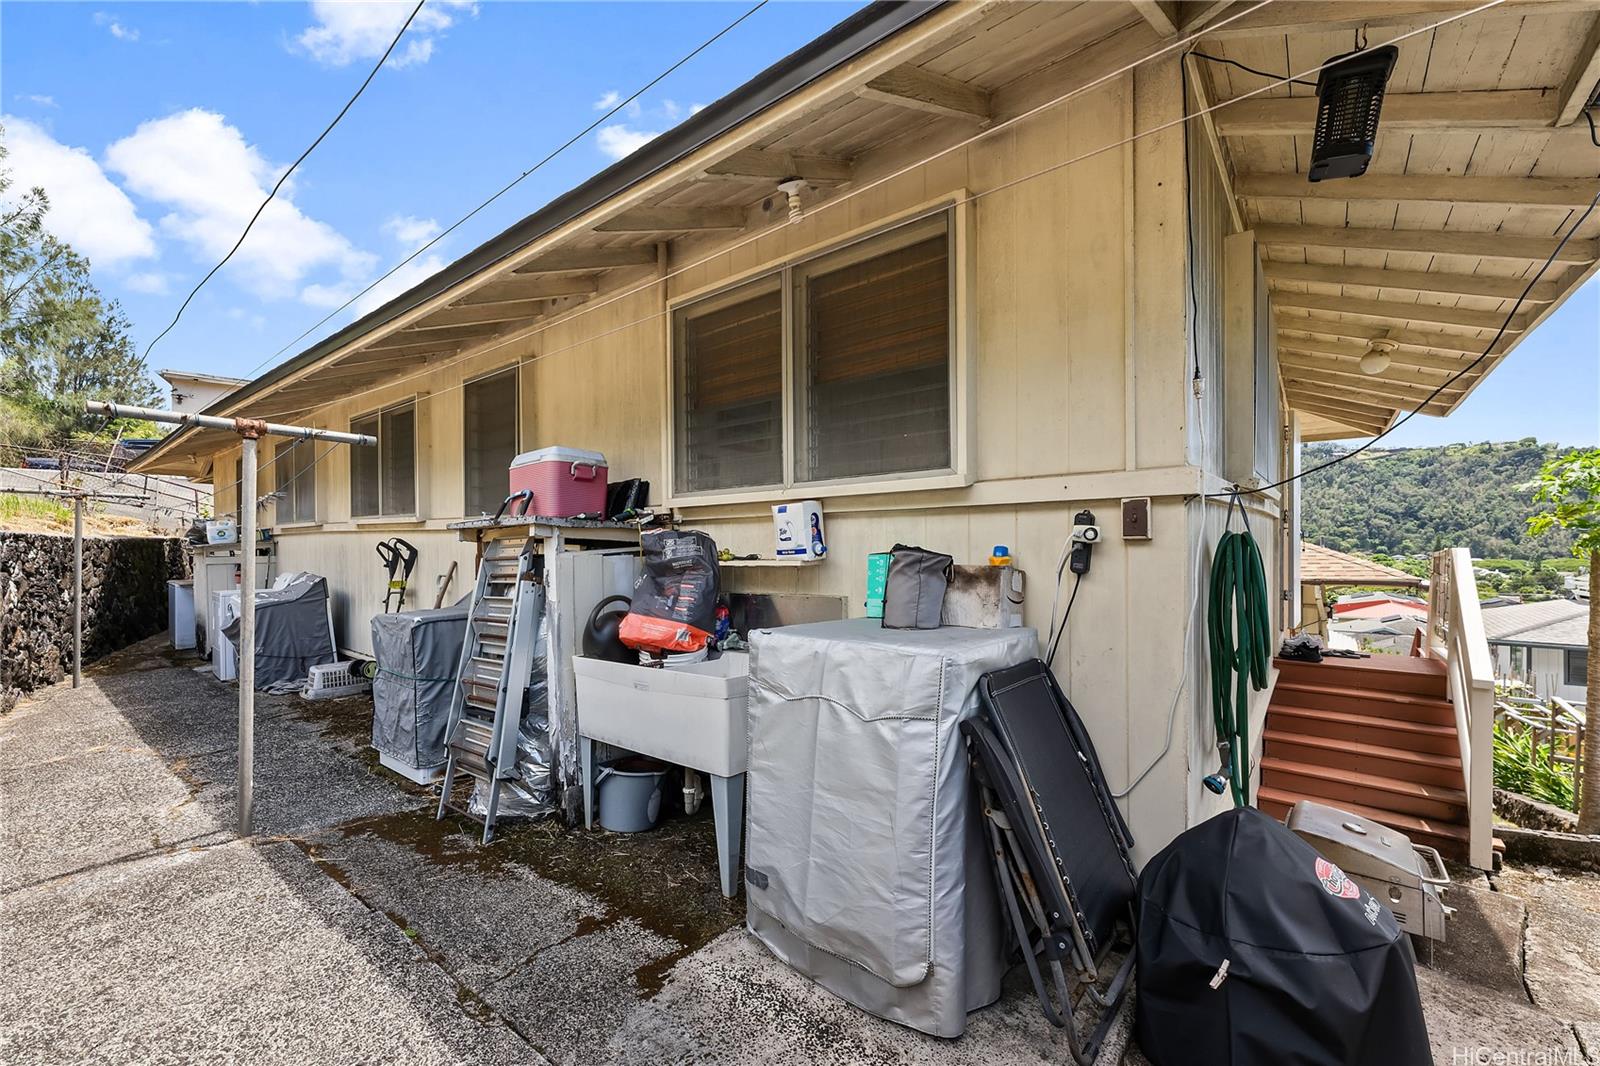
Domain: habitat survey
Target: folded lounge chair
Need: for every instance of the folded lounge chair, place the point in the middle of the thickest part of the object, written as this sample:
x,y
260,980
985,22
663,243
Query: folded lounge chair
x,y
1058,842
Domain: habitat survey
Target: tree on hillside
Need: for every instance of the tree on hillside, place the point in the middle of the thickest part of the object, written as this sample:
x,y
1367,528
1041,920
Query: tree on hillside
x,y
61,342
1571,485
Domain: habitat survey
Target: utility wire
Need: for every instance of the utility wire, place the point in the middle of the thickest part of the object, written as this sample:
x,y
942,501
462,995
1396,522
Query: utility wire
x,y
514,182
285,176
1282,79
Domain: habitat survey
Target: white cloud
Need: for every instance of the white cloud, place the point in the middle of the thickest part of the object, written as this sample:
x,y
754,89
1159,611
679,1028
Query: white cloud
x,y
608,100
115,28
38,99
671,109
621,139
87,210
398,282
695,109
149,281
411,232
348,30
212,181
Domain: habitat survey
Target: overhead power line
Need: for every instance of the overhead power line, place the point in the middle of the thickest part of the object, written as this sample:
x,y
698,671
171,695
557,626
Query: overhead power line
x,y
514,182
285,176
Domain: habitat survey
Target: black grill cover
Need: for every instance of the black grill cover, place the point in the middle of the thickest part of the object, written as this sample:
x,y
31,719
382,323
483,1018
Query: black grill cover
x,y
1318,971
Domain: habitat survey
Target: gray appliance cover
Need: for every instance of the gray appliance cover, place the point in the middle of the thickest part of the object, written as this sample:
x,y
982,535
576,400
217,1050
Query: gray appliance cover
x,y
865,867
418,653
293,633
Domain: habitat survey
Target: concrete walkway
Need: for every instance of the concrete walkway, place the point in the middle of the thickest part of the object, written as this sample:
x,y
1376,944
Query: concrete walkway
x,y
354,928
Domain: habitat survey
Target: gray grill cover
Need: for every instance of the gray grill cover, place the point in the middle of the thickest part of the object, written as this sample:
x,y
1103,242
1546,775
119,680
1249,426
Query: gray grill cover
x,y
293,633
418,653
865,867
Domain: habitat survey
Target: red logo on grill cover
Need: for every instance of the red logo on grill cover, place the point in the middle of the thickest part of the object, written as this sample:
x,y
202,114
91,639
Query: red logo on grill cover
x,y
1334,880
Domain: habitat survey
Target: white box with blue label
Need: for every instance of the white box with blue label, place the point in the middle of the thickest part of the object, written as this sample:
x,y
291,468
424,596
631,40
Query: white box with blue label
x,y
797,531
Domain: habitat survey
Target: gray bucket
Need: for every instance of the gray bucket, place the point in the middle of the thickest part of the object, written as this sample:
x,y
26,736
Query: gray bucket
x,y
630,793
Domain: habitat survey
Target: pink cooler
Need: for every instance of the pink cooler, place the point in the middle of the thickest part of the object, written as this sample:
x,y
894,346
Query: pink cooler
x,y
565,481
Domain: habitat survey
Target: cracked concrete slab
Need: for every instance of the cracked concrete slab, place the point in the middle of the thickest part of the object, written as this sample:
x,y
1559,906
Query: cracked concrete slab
x,y
1563,946
229,952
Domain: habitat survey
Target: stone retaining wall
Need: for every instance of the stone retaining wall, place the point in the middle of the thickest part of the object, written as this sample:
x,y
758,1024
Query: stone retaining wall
x,y
124,600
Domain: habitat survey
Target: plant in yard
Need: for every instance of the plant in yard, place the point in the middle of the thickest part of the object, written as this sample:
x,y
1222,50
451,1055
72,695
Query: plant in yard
x,y
1524,765
1571,487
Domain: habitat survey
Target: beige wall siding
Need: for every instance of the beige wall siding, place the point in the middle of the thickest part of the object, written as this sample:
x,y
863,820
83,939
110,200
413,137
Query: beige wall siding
x,y
1080,395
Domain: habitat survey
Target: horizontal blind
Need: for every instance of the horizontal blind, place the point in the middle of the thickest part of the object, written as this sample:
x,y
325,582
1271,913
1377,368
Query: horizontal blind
x,y
397,447
364,470
489,440
731,413
875,362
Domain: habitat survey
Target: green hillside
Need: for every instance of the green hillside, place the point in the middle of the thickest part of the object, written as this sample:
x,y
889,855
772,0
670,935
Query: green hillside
x,y
1406,501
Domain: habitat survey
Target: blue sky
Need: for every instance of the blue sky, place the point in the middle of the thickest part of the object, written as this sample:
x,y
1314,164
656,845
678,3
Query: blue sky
x,y
157,128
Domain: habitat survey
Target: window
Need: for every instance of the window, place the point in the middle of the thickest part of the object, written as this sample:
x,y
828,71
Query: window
x,y
841,363
489,439
296,482
383,480
1577,666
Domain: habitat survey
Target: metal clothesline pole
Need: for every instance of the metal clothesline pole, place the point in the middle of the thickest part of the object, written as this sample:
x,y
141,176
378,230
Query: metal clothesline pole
x,y
77,496
250,430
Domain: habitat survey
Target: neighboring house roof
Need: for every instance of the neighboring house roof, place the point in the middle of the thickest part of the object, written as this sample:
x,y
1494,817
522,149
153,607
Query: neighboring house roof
x,y
1383,611
1324,566
172,377
1548,623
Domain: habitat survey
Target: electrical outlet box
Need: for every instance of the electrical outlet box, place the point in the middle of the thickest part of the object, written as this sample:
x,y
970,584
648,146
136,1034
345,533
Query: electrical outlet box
x,y
1136,518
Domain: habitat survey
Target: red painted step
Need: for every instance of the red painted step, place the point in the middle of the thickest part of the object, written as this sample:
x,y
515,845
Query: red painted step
x,y
1351,725
1402,706
1337,786
1387,673
1364,757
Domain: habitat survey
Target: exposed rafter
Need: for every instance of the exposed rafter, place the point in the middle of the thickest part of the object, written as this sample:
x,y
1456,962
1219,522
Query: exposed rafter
x,y
1424,188
1375,389
1312,16
922,90
570,260
1430,242
1395,311
1347,360
1454,112
674,219
406,337
1412,281
1200,85
1580,84
1163,15
761,163
523,287
1368,331
415,345
474,314
1340,416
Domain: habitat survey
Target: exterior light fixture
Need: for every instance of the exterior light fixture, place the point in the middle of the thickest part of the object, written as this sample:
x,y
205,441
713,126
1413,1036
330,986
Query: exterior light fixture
x,y
1377,357
1349,98
792,188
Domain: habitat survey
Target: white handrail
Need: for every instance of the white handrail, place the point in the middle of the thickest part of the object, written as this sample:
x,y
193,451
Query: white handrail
x,y
1455,633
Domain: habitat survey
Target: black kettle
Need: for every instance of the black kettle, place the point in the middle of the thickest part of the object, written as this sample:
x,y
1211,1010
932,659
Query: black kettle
x,y
600,640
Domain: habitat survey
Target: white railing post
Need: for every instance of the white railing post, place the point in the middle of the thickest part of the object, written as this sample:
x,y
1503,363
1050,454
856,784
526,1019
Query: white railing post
x,y
1453,608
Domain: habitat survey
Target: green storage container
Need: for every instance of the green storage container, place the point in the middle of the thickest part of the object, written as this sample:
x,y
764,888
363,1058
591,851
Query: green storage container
x,y
877,582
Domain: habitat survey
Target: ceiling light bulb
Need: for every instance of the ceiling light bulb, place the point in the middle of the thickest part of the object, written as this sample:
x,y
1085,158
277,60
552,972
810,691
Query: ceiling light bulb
x,y
1376,360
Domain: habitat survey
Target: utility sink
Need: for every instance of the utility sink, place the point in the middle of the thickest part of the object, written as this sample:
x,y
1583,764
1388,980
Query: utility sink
x,y
689,715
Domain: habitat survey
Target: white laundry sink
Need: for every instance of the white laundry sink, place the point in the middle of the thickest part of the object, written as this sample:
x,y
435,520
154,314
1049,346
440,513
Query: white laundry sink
x,y
689,715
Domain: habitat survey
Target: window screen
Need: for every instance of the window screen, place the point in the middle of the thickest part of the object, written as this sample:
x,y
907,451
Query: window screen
x,y
364,469
489,440
873,354
397,447
730,373
296,466
1577,666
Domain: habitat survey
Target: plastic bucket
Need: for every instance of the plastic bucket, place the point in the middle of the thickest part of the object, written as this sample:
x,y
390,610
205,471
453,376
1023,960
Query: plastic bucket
x,y
630,793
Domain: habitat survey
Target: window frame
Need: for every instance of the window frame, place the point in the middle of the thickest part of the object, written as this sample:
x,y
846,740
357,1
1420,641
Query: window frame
x,y
1570,657
958,211
283,509
378,415
514,371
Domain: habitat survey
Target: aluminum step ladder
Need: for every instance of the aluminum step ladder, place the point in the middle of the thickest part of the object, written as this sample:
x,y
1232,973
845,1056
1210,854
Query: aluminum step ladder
x,y
492,678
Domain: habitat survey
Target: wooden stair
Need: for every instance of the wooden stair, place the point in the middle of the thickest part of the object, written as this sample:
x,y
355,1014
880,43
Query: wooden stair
x,y
1376,737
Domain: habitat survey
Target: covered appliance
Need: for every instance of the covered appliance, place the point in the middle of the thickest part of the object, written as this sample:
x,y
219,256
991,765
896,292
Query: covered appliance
x,y
564,481
1253,949
1408,877
866,868
294,629
417,653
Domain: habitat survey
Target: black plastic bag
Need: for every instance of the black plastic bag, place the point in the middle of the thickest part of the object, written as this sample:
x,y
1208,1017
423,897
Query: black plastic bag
x,y
675,599
913,597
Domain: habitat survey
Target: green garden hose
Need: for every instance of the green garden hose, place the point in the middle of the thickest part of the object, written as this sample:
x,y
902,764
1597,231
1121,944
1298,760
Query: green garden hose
x,y
1239,629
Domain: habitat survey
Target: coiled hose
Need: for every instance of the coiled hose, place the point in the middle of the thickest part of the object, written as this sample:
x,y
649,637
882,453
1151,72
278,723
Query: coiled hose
x,y
1239,630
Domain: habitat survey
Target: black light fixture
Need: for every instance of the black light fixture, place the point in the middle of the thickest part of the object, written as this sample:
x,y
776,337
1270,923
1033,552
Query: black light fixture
x,y
1349,98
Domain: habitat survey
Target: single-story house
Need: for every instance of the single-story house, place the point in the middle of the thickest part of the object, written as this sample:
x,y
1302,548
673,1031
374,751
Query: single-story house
x,y
960,271
1542,644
